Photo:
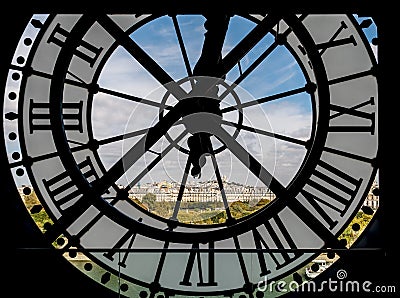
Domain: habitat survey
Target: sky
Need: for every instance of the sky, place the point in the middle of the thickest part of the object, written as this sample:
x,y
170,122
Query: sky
x,y
290,116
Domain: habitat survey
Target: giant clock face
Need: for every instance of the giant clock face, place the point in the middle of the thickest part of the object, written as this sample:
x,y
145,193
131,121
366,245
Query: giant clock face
x,y
91,147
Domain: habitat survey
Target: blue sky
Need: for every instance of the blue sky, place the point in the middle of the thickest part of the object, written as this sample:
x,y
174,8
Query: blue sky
x,y
290,116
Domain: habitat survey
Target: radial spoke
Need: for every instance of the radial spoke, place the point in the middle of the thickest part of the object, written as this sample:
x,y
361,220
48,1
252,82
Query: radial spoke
x,y
267,133
264,55
221,187
123,136
141,56
256,63
128,135
181,190
182,45
75,142
133,98
250,162
34,159
132,155
266,99
248,42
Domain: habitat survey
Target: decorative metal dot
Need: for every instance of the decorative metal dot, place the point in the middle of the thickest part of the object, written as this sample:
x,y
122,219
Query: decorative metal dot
x,y
15,155
124,287
26,191
20,60
11,116
143,294
20,172
60,241
367,210
12,95
242,296
47,225
315,267
27,41
105,278
88,266
36,209
12,136
356,227
72,254
15,76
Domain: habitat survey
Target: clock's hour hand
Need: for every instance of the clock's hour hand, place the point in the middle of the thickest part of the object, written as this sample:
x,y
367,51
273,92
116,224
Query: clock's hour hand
x,y
138,150
199,145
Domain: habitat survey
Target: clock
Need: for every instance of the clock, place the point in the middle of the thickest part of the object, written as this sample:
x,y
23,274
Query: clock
x,y
236,167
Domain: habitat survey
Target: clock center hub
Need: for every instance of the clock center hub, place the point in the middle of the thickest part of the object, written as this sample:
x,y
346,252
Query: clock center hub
x,y
201,115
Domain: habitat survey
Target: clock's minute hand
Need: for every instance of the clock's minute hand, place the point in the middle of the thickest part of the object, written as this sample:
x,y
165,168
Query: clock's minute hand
x,y
208,66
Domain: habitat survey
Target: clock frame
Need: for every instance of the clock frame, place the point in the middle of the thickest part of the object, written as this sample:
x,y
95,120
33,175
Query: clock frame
x,y
192,256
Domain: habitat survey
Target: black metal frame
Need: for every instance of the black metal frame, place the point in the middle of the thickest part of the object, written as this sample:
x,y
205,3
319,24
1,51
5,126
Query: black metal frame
x,y
378,236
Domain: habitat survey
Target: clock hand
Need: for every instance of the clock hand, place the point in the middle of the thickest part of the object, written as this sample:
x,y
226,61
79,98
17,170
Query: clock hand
x,y
216,26
152,164
199,144
249,161
141,56
209,123
141,147
207,65
210,58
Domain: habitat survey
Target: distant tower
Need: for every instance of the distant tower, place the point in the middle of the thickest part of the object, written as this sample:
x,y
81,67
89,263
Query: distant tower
x,y
138,185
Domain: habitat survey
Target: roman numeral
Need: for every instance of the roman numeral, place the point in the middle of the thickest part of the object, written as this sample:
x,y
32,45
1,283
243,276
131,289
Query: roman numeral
x,y
350,155
128,237
333,42
39,116
332,192
62,189
354,112
353,76
195,254
85,50
282,258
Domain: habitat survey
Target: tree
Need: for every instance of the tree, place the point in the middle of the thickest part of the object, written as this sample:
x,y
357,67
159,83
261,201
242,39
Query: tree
x,y
149,199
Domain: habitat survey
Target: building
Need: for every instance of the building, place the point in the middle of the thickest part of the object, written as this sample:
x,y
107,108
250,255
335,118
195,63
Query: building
x,y
372,199
202,191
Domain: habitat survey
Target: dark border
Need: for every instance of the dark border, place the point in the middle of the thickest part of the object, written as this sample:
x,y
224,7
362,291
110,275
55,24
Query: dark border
x,y
43,273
